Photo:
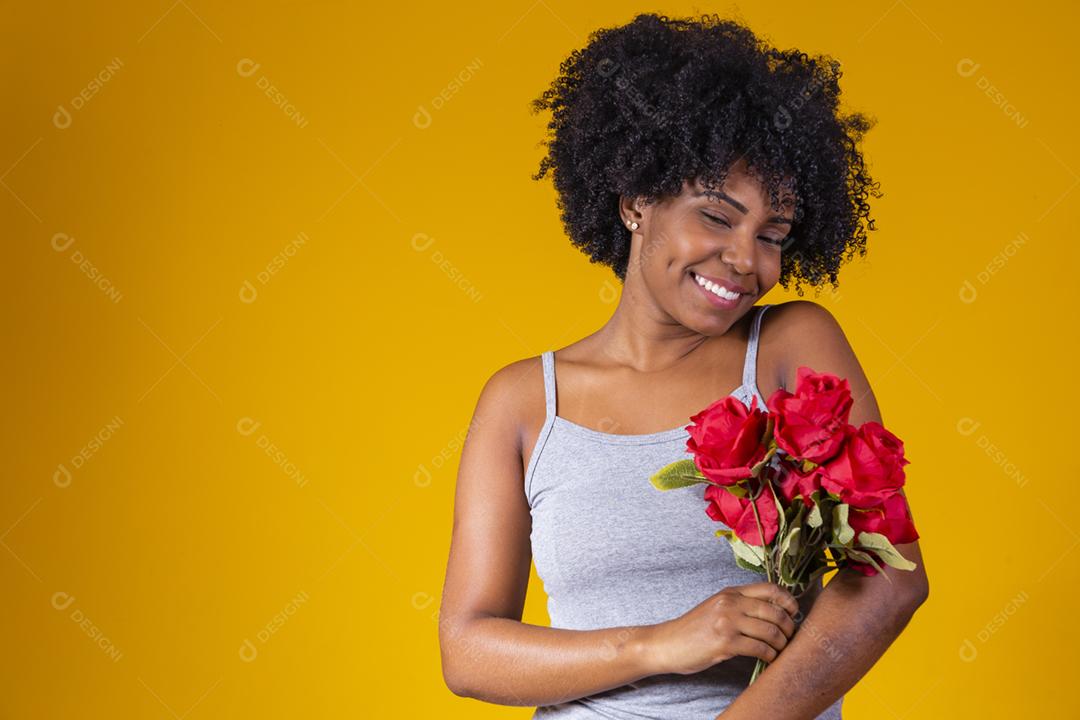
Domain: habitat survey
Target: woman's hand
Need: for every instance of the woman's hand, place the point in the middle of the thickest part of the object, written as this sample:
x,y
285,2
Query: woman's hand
x,y
755,620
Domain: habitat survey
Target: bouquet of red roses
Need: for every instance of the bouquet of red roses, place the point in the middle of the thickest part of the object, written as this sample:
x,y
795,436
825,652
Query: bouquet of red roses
x,y
802,490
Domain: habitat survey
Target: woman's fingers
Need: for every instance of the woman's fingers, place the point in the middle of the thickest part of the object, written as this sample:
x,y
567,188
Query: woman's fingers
x,y
771,592
768,612
765,631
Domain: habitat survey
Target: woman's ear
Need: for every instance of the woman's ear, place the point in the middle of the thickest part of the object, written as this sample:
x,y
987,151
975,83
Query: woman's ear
x,y
632,210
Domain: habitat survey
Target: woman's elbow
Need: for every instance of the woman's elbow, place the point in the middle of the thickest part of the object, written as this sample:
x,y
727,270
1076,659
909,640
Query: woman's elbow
x,y
452,640
453,684
910,590
452,674
919,592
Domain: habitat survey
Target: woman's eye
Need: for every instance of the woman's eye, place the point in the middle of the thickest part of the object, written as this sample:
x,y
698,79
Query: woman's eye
x,y
716,219
721,221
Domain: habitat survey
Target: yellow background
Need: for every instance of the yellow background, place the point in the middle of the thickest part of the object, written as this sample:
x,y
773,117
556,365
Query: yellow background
x,y
276,476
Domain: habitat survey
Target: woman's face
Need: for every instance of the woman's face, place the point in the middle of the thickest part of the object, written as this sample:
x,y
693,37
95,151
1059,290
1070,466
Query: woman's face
x,y
730,238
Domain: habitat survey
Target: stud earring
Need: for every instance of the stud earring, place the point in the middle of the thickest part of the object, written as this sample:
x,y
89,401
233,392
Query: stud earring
x,y
633,226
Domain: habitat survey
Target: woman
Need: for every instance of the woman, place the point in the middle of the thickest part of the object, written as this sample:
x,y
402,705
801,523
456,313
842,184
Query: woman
x,y
703,168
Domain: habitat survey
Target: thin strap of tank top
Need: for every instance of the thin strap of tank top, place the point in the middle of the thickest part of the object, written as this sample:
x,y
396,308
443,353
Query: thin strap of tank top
x,y
548,358
749,374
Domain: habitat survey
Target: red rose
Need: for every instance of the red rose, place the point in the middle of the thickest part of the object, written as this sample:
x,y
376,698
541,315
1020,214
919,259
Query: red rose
x,y
738,514
793,482
725,439
892,518
869,468
810,422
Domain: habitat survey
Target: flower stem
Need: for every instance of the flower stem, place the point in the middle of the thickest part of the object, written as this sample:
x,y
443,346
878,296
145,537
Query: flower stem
x,y
761,537
809,549
759,666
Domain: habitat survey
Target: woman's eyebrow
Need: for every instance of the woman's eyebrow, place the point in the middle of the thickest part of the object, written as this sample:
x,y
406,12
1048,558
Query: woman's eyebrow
x,y
721,195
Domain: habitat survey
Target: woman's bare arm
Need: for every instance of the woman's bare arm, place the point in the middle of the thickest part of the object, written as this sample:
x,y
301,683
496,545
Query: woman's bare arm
x,y
850,626
487,652
855,618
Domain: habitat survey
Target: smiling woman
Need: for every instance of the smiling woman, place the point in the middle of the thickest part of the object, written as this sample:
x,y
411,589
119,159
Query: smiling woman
x,y
704,168
723,247
717,95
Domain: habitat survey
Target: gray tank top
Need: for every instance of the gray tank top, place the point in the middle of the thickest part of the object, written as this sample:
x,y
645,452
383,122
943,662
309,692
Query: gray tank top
x,y
612,551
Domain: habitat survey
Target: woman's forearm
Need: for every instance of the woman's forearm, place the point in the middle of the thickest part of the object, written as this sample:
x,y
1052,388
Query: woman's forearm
x,y
508,662
852,623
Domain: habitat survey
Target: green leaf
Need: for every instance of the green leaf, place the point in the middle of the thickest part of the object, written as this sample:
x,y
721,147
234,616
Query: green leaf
x,y
885,550
814,518
796,512
790,544
779,508
739,491
785,574
743,561
679,474
748,566
753,554
755,469
843,533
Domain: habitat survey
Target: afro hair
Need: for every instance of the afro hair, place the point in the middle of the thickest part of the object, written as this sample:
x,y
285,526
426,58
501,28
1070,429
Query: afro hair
x,y
650,104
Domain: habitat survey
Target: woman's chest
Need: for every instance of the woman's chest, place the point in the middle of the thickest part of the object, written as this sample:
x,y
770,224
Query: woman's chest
x,y
610,548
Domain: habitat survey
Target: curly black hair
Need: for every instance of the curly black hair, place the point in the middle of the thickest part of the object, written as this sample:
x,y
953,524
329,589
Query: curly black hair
x,y
649,104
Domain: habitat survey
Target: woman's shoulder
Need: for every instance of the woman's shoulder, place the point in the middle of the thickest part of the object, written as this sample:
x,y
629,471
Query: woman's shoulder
x,y
508,382
802,318
807,333
518,389
513,392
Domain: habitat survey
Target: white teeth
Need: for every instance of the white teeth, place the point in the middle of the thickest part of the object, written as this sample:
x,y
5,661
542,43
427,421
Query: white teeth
x,y
715,289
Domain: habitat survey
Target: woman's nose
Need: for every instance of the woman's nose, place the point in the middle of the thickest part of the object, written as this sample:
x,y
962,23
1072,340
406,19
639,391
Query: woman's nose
x,y
739,253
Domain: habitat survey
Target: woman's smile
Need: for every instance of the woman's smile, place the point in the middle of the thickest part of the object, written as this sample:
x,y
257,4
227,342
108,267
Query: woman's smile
x,y
717,293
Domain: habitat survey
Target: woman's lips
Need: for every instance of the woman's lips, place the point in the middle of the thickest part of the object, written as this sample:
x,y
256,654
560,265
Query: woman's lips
x,y
714,299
